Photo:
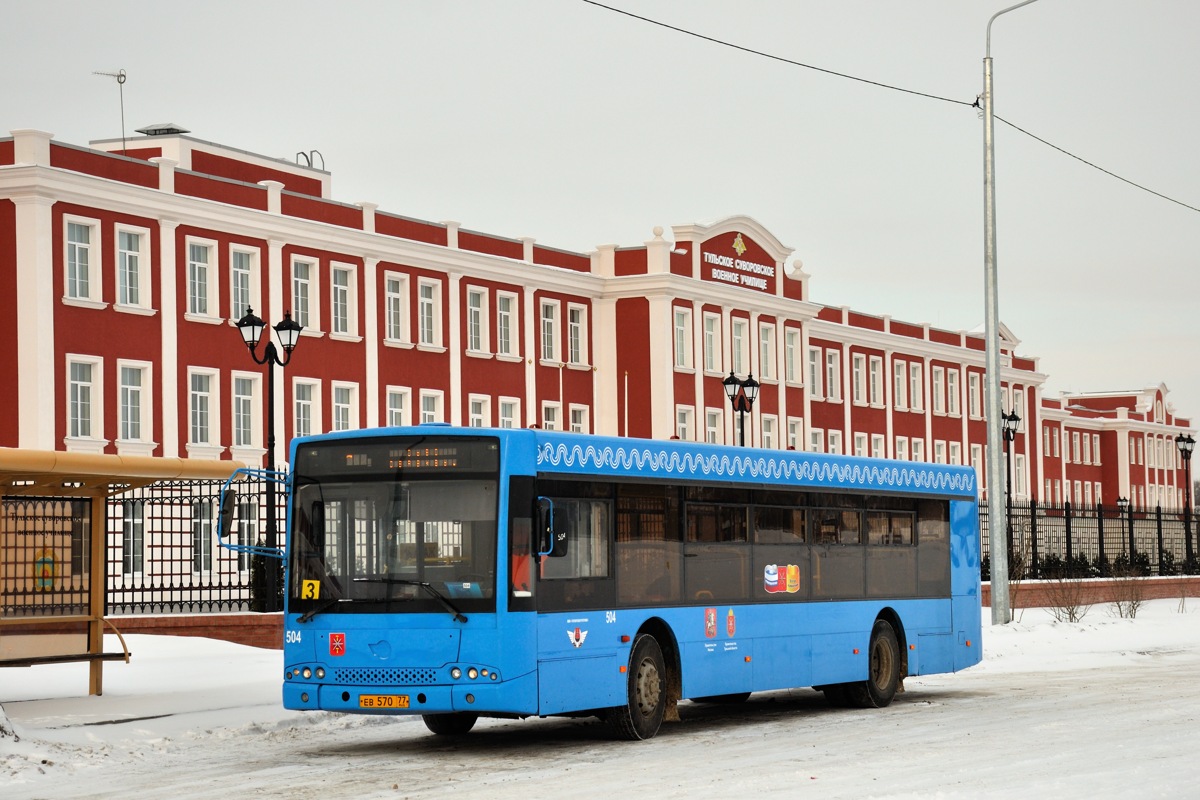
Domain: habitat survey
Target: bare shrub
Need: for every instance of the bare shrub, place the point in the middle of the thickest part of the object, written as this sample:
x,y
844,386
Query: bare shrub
x,y
1129,592
1066,598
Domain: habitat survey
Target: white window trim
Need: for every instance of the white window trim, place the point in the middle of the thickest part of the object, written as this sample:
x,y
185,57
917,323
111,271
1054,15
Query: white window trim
x,y
794,425
583,361
953,390
739,355
212,288
437,345
253,452
484,349
353,420
766,341
406,410
143,446
681,340
833,443
514,333
712,349
486,402
900,385
437,395
516,405
833,382
211,449
796,363
95,264
876,382
404,301
313,327
816,373
144,272
554,358
769,431
548,405
575,408
714,423
255,288
351,334
688,415
95,442
315,405
858,379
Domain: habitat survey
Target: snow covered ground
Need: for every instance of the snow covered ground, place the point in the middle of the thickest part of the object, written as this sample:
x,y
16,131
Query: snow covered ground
x,y
1106,707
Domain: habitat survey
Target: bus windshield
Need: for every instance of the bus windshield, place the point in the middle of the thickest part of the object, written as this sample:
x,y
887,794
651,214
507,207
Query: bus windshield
x,y
398,525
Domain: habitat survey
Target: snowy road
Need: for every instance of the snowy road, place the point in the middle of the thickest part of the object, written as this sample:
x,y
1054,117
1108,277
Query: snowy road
x,y
1101,708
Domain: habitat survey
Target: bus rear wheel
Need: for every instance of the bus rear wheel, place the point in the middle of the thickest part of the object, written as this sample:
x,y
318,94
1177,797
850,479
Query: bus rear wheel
x,y
450,724
883,670
642,714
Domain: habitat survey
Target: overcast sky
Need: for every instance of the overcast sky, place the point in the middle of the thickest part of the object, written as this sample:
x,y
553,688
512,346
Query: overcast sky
x,y
580,126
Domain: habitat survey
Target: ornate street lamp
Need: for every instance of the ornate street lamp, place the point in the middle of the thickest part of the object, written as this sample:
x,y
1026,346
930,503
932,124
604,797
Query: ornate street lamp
x,y
1186,444
741,394
1011,422
251,328
1126,516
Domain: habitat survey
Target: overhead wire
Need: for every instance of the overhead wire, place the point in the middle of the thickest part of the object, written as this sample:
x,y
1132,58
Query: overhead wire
x,y
881,85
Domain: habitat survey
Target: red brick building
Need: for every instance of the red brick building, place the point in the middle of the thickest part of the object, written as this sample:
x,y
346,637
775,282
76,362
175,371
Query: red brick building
x,y
123,275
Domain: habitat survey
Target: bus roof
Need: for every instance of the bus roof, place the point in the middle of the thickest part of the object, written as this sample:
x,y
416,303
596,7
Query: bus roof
x,y
577,454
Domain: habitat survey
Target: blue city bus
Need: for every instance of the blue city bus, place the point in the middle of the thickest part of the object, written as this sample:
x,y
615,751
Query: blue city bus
x,y
459,573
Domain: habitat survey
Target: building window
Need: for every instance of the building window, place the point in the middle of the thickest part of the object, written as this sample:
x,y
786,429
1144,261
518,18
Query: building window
x,y
791,355
952,403
1096,450
241,271
429,308
133,536
876,381
916,393
304,304
82,284
200,282
814,374
132,269
738,333
510,412
83,397
878,445
795,430
902,448
816,440
975,399
395,307
477,320
134,399
244,390
712,342
977,463
579,419
684,423
955,453
900,385
858,366
769,428
201,425
345,407
550,416
1087,451
306,399
431,406
918,449
549,330
478,411
833,374
342,302
1019,474
939,452
712,426
766,352
682,338
939,391
506,324
576,335
398,411
860,445
1076,450
835,442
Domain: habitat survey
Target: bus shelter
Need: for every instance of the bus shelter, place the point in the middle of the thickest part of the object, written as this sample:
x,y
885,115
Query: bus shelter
x,y
52,550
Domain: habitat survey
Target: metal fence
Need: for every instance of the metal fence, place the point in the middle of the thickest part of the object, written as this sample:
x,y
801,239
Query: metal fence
x,y
162,552
44,554
1093,541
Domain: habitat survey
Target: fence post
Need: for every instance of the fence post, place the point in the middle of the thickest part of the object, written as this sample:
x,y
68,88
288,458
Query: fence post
x,y
1158,523
1101,558
1067,533
1034,569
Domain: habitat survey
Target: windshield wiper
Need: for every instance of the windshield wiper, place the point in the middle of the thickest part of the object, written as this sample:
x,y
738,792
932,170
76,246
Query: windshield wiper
x,y
441,598
328,604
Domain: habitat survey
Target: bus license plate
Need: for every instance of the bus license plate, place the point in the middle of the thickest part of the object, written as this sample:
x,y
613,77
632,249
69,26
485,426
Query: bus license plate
x,y
383,701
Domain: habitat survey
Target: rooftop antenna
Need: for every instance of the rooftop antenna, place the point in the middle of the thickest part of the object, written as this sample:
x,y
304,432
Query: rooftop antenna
x,y
120,76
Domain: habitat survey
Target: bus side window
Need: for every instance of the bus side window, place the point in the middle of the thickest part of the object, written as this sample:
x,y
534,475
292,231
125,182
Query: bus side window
x,y
522,558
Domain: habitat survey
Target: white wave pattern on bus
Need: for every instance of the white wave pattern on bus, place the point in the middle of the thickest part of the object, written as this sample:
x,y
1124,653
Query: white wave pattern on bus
x,y
820,472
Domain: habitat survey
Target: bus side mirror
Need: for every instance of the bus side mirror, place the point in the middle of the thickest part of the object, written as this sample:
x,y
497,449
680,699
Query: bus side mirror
x,y
552,529
229,498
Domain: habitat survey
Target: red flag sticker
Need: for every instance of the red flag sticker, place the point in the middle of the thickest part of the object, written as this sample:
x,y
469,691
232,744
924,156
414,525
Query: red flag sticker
x,y
337,644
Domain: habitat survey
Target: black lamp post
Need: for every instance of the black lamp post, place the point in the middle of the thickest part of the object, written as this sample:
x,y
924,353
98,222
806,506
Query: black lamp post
x,y
251,328
1186,444
1123,507
741,394
1011,421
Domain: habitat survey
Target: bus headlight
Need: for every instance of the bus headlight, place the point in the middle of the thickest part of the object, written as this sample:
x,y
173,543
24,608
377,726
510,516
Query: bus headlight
x,y
307,672
456,673
472,673
320,672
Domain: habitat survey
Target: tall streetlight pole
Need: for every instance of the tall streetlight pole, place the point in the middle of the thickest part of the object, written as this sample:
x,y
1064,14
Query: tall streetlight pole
x,y
1186,444
741,394
251,328
1001,610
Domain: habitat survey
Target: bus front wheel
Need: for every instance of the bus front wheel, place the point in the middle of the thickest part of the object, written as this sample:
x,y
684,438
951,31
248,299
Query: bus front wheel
x,y
883,670
450,724
642,714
